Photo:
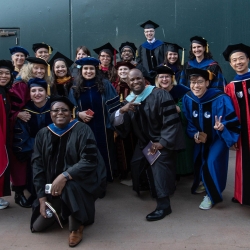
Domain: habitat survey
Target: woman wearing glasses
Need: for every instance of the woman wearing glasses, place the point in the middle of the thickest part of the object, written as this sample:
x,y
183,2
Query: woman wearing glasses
x,y
214,127
96,99
165,79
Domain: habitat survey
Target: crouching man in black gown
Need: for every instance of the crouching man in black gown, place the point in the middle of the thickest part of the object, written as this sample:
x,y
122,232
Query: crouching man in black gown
x,y
152,114
65,155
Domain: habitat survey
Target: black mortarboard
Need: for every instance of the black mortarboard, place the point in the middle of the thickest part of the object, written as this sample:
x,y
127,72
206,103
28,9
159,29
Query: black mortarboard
x,y
36,60
37,46
127,64
63,99
206,74
37,82
149,25
7,64
199,40
106,46
163,70
128,45
173,47
240,47
20,49
59,56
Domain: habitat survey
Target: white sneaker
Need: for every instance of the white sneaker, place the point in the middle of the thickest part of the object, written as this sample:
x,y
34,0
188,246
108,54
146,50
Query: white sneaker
x,y
3,203
200,189
206,203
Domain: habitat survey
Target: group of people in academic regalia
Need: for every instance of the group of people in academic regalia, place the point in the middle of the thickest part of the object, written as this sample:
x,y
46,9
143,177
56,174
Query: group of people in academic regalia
x,y
67,127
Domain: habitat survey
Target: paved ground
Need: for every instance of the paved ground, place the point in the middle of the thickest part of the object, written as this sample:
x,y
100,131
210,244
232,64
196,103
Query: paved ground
x,y
120,223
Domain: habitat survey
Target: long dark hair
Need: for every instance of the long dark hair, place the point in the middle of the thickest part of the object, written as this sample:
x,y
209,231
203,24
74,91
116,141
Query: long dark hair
x,y
111,73
80,83
9,84
207,55
177,63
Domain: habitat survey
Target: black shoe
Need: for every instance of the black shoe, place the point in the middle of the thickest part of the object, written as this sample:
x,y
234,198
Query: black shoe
x,y
21,200
234,200
159,214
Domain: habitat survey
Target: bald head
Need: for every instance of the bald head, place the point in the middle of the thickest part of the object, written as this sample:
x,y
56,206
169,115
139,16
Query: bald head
x,y
136,81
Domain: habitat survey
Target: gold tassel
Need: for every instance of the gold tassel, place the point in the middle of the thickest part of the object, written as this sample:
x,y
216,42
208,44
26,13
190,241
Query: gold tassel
x,y
182,57
74,112
48,69
48,89
207,49
121,97
136,53
173,79
50,52
211,75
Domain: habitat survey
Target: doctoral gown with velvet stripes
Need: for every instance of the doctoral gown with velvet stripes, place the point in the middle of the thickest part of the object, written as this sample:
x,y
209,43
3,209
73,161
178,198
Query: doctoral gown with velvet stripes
x,y
211,158
239,92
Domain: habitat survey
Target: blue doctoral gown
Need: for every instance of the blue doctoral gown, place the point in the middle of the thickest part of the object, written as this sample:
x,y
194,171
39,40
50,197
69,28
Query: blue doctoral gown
x,y
211,158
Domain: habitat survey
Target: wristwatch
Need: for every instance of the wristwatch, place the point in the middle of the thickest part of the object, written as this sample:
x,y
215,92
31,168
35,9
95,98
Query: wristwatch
x,y
66,175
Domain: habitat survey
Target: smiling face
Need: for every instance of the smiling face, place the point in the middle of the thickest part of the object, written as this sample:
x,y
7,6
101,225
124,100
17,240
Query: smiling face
x,y
239,62
80,54
123,72
127,55
38,70
88,72
165,81
60,114
18,59
105,59
43,53
136,81
38,96
60,69
149,34
198,50
198,85
5,76
172,57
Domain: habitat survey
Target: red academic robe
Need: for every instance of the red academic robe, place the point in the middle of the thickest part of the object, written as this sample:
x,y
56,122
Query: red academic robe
x,y
19,96
239,91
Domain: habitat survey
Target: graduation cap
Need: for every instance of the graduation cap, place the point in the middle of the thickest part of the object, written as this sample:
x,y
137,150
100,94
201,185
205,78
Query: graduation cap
x,y
200,40
20,49
206,74
149,25
37,82
64,99
163,70
7,64
123,63
107,48
37,46
173,47
87,61
128,45
59,56
39,60
240,47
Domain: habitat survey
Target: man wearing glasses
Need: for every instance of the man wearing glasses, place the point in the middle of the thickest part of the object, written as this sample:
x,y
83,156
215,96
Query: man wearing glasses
x,y
151,53
214,126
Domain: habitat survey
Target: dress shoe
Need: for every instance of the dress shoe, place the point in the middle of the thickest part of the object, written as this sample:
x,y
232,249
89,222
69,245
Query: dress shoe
x,y
75,237
21,200
159,214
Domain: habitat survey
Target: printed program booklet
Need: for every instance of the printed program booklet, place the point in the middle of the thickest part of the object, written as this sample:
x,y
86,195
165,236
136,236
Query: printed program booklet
x,y
151,158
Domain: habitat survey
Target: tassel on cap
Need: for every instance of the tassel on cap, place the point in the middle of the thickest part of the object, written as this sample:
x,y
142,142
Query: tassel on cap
x,y
211,75
136,53
48,89
50,52
121,97
74,112
182,57
207,48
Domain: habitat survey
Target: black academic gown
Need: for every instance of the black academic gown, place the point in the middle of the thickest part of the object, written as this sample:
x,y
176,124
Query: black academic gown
x,y
156,120
82,161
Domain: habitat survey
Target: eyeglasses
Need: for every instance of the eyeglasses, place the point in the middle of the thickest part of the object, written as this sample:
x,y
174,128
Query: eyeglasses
x,y
197,82
104,56
127,51
58,110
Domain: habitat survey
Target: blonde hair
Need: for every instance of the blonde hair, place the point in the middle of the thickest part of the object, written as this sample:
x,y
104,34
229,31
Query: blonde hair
x,y
173,81
26,73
